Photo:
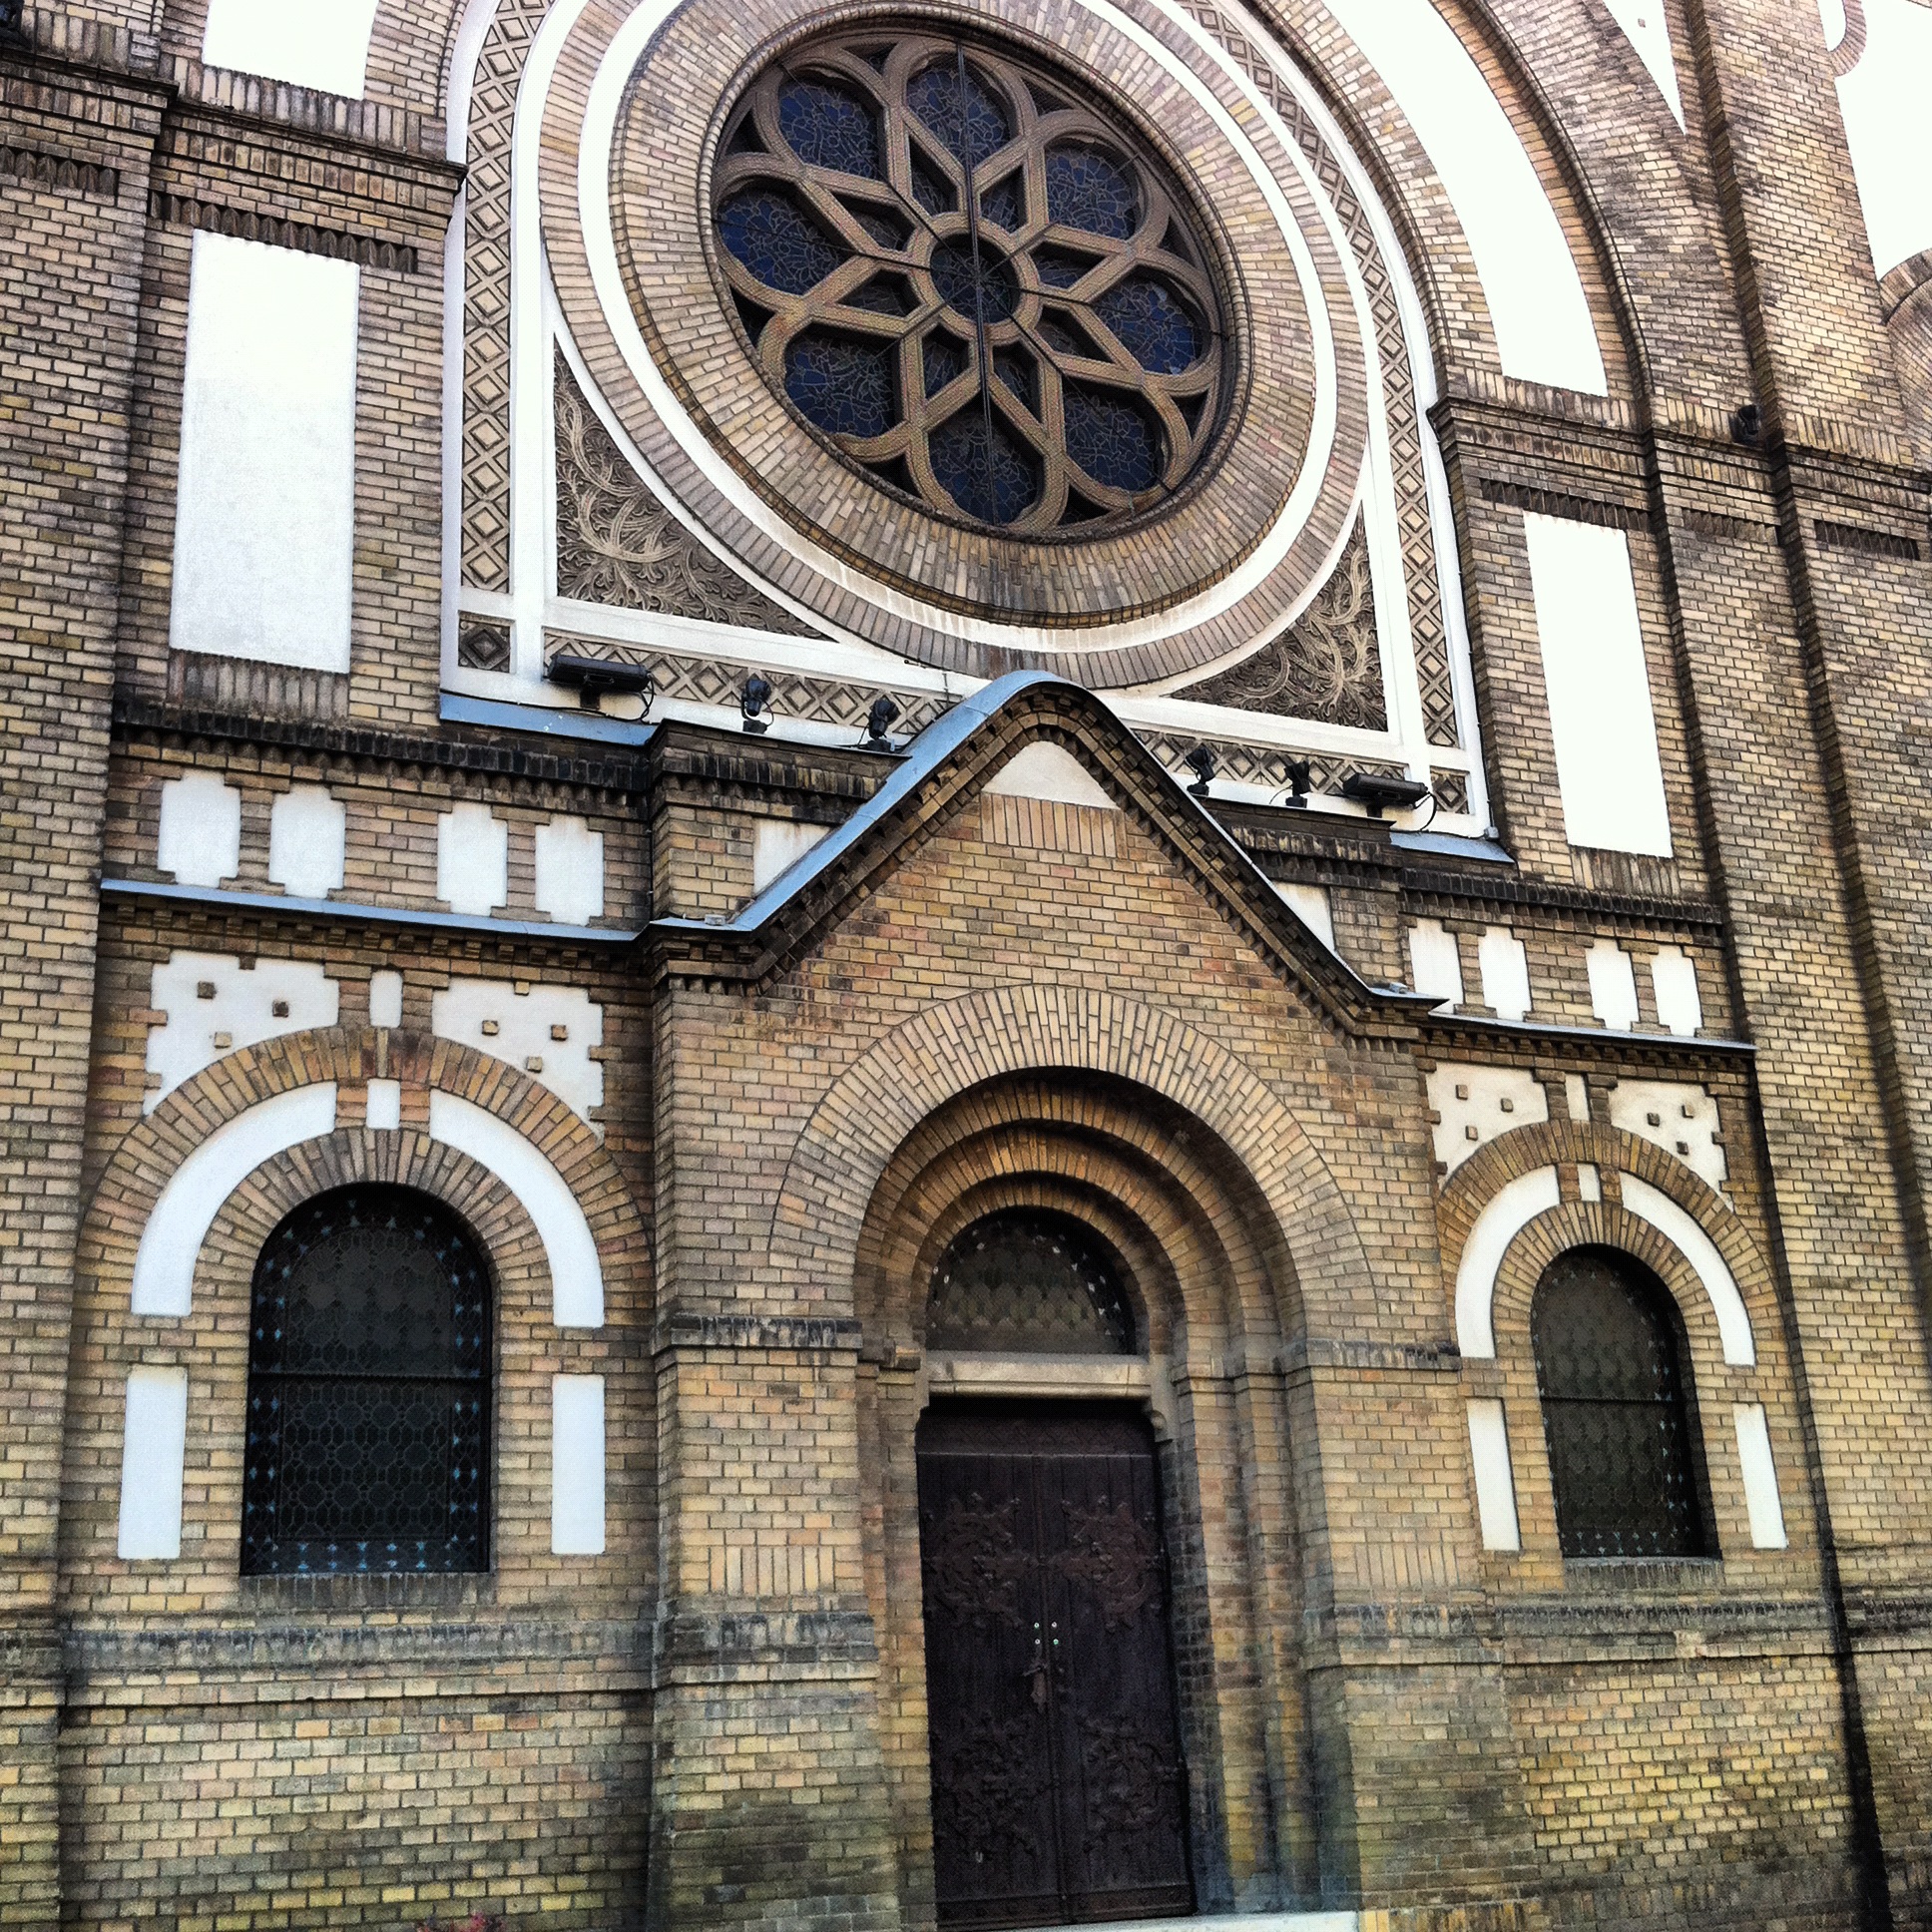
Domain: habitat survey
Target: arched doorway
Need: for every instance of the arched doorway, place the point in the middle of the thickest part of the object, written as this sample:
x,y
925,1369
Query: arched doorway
x,y
1058,1784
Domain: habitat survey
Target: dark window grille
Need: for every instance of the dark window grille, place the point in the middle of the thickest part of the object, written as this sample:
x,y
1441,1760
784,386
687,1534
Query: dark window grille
x,y
1615,1410
368,1391
1028,1283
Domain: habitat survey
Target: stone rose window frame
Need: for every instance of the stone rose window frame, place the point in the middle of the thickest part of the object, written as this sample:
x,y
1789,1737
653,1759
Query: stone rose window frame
x,y
975,285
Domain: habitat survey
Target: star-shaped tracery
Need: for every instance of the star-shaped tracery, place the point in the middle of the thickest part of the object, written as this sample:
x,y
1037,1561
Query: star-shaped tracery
x,y
971,281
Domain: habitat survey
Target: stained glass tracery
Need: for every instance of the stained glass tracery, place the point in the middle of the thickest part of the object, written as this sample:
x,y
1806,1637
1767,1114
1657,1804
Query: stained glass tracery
x,y
978,286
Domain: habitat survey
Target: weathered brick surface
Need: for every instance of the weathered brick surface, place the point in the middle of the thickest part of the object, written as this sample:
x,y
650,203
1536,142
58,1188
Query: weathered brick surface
x,y
997,1001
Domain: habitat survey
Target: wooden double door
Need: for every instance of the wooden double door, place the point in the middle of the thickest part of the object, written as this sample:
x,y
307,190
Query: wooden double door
x,y
1059,1793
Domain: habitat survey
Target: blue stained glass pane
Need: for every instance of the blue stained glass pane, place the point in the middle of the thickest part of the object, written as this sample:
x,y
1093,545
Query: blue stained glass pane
x,y
1004,204
930,189
969,122
977,283
882,295
994,482
778,240
889,231
1058,270
1151,326
1087,191
829,128
1017,373
1116,441
944,361
842,386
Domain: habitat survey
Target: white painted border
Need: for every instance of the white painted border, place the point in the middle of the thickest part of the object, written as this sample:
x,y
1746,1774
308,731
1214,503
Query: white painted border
x,y
1495,1482
164,1263
1508,1213
1760,1476
575,1277
577,1465
154,1456
1726,1303
1516,1204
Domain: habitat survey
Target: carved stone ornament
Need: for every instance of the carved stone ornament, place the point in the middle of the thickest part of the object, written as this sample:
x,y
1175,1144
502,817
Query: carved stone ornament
x,y
618,544
975,1562
1327,663
1117,1557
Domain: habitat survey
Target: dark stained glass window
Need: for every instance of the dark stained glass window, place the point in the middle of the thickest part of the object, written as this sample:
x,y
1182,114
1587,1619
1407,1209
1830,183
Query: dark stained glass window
x,y
1608,1371
981,287
368,1391
1029,1283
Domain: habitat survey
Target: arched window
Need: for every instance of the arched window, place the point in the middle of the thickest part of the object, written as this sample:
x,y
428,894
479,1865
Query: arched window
x,y
368,1391
1028,1283
1607,1352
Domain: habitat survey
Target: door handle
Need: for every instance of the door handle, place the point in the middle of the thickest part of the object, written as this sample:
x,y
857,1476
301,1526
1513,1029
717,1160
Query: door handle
x,y
1037,1674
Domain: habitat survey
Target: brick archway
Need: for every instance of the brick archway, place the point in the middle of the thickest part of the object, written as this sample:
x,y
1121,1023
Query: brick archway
x,y
881,1099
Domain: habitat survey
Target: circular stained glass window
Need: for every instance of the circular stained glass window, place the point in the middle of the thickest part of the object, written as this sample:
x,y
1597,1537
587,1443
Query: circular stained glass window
x,y
977,285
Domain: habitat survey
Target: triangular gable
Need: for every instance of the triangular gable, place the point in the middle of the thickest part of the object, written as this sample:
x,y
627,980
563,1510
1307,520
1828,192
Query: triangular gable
x,y
988,742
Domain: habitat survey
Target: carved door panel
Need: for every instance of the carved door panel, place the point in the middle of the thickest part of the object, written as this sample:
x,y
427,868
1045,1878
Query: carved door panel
x,y
1059,1793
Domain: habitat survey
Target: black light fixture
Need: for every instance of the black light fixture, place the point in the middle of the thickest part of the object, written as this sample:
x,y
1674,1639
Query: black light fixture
x,y
878,722
1382,792
1747,425
1200,761
595,678
1300,777
755,702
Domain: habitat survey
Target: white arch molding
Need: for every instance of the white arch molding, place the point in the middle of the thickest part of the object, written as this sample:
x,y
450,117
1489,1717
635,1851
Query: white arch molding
x,y
1530,1195
171,1244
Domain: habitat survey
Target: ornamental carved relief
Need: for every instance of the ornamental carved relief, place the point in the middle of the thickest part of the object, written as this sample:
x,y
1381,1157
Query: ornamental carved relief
x,y
1327,664
975,1563
1115,1556
618,544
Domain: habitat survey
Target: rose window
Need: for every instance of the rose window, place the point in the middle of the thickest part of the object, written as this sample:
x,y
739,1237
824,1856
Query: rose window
x,y
972,282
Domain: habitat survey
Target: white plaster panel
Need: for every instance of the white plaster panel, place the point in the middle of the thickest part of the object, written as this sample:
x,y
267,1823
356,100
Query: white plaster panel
x,y
1310,904
1044,770
171,1244
472,860
1508,1213
1613,985
777,844
576,1275
201,830
1576,1092
385,999
1544,331
265,522
577,1465
1760,1476
323,44
1673,980
1609,775
570,871
1883,102
384,1106
1677,1116
1727,1302
307,842
1435,966
1647,29
1590,1183
548,1032
154,1451
1494,1483
1476,1104
247,1004
1505,967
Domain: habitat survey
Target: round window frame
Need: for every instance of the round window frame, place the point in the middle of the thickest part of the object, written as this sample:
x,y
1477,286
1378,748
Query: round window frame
x,y
1145,149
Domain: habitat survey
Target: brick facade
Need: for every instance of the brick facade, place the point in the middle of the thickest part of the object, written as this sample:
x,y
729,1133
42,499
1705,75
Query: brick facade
x,y
975,999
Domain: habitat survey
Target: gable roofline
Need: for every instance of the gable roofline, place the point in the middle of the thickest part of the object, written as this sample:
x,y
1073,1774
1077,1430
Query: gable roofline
x,y
781,922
